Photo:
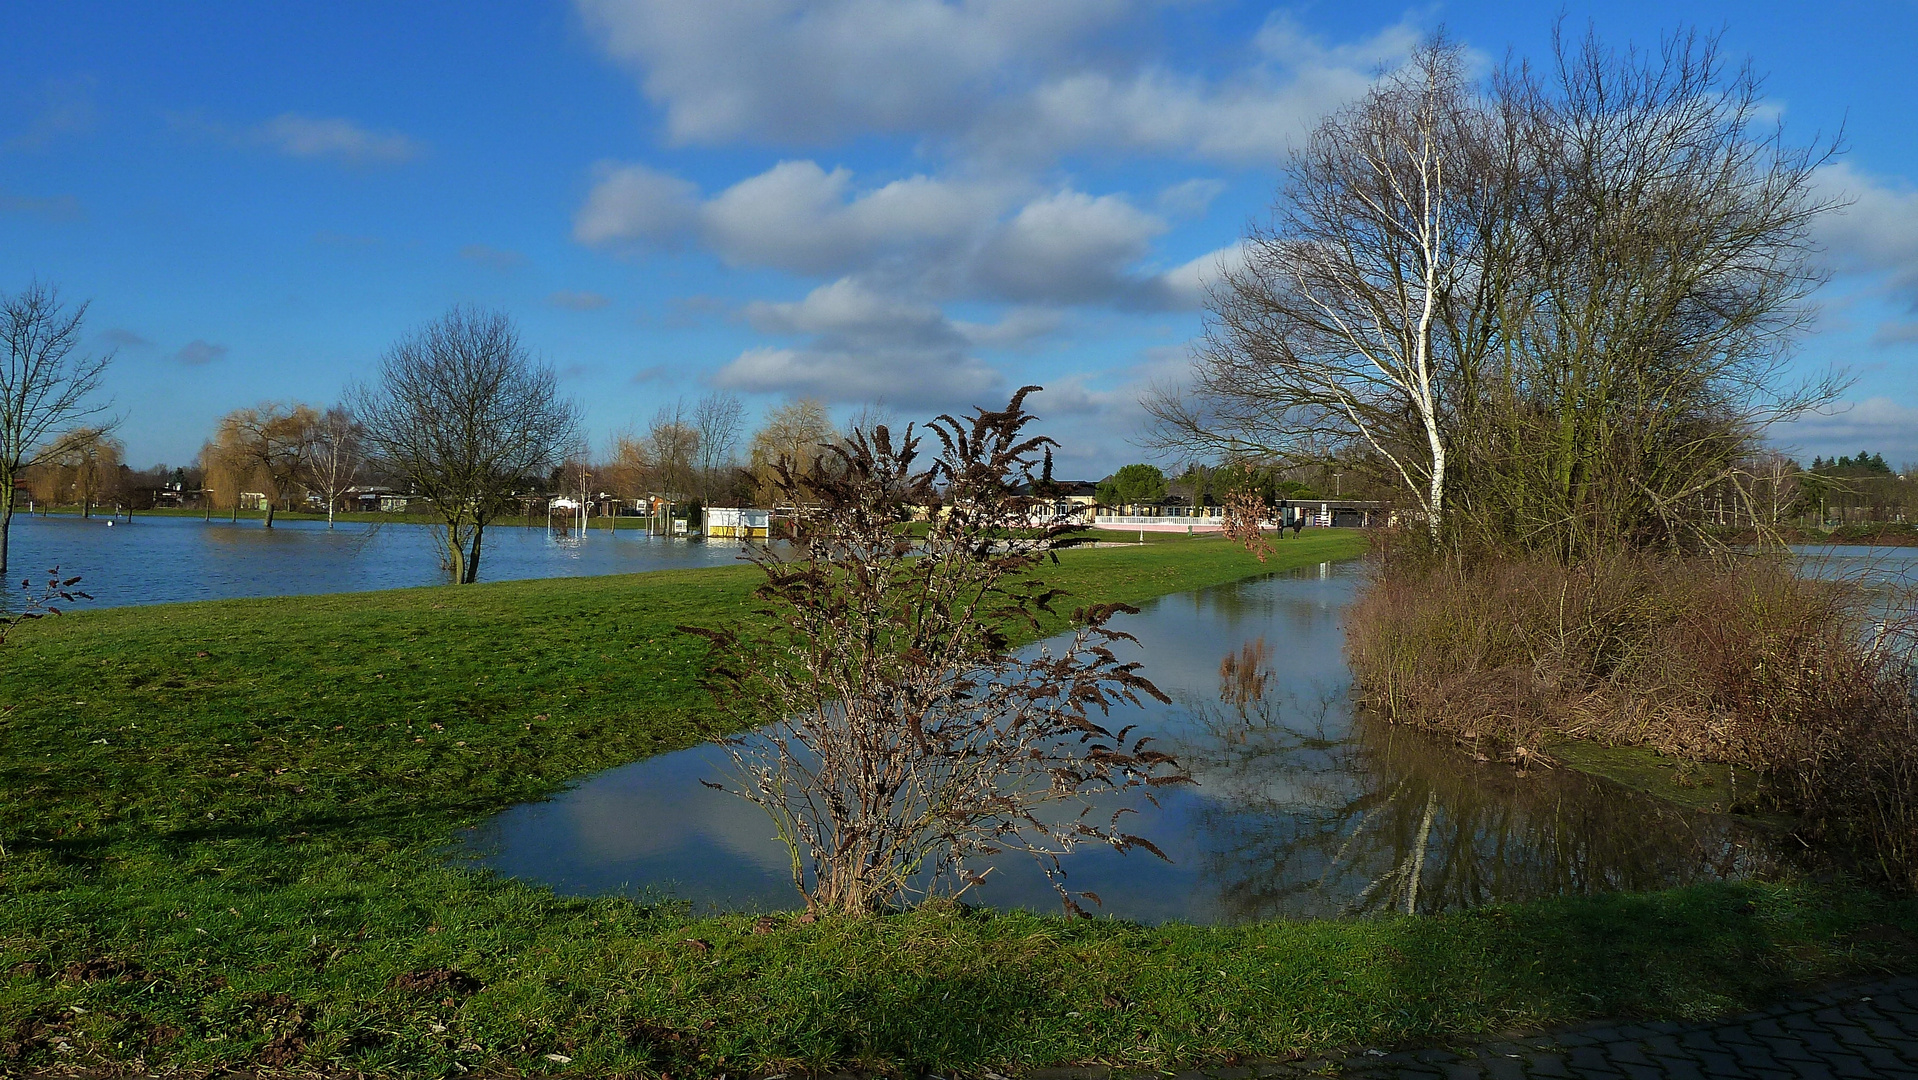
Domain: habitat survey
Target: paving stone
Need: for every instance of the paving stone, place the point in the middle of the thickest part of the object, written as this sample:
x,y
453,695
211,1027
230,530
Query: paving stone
x,y
1849,1034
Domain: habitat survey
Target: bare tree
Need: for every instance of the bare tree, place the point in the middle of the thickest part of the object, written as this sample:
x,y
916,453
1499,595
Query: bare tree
x,y
1555,309
672,441
910,739
717,420
462,412
335,456
46,383
1330,331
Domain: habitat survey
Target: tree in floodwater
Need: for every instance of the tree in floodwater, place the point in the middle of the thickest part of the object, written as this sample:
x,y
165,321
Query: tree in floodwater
x,y
901,738
335,456
81,465
267,444
462,413
46,384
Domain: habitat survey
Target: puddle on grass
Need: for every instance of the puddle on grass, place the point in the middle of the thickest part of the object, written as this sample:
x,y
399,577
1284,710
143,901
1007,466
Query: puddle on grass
x,y
1302,807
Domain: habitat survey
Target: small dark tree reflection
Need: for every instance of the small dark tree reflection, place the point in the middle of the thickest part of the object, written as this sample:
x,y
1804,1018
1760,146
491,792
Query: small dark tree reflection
x,y
899,735
1312,813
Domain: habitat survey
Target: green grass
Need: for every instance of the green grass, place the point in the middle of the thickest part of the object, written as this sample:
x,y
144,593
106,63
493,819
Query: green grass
x,y
224,820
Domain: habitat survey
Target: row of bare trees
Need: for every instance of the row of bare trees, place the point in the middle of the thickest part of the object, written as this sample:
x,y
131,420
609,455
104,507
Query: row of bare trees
x,y
1551,307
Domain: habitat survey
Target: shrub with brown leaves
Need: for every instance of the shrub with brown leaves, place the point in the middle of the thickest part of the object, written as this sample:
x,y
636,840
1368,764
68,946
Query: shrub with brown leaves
x,y
900,737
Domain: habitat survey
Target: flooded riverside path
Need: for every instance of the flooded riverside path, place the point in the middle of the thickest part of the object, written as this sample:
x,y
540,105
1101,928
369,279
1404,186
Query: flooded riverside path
x,y
1301,806
157,560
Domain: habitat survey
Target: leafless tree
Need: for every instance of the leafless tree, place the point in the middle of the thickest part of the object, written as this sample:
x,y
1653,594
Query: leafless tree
x,y
462,412
335,456
672,441
717,420
1331,329
46,384
910,739
1556,308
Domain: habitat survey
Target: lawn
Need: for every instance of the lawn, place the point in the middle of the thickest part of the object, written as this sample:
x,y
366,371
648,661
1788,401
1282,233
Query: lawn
x,y
223,824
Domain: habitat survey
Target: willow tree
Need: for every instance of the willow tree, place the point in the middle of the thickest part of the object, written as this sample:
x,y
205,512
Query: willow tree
x,y
461,412
270,445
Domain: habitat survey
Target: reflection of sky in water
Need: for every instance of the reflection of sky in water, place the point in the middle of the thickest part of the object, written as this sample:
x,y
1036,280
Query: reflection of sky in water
x,y
1300,808
154,560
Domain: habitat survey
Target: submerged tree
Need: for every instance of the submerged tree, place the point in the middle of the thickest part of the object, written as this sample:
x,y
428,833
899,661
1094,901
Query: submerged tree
x,y
335,456
268,445
901,738
46,383
462,413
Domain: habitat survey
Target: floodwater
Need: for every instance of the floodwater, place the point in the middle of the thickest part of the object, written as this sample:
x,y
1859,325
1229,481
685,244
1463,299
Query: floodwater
x,y
1302,807
157,560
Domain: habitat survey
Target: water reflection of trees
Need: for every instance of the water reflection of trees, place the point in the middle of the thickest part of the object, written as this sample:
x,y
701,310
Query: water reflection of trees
x,y
1309,810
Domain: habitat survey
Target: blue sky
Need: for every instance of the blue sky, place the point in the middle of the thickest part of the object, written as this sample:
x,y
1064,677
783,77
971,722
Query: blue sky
x,y
922,202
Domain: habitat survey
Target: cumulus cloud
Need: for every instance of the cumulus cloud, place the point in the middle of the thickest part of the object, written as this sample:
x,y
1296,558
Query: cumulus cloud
x,y
635,203
862,346
198,352
1877,424
336,139
811,72
1877,234
1000,77
577,301
925,236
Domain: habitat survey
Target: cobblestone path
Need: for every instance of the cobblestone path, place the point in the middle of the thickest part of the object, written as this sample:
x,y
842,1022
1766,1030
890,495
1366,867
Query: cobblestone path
x,y
1859,1031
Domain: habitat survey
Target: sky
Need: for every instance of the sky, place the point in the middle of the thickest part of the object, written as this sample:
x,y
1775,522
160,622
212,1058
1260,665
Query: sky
x,y
922,203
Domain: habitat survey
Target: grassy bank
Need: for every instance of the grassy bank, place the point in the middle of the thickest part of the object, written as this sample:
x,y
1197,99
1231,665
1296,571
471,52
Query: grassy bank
x,y
222,823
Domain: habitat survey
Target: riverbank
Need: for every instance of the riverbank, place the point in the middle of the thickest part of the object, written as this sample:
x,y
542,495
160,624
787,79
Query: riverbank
x,y
224,824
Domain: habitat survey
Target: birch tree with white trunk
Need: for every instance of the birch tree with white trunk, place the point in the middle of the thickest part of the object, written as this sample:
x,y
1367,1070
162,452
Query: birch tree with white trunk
x,y
1339,326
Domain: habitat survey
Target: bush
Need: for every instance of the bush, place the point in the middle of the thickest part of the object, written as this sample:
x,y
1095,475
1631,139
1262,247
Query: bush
x,y
1731,658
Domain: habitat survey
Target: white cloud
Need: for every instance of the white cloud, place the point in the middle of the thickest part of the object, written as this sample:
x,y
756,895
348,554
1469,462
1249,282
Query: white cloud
x,y
632,203
1876,424
336,139
921,236
1003,78
1190,198
805,73
864,346
1877,234
1183,288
